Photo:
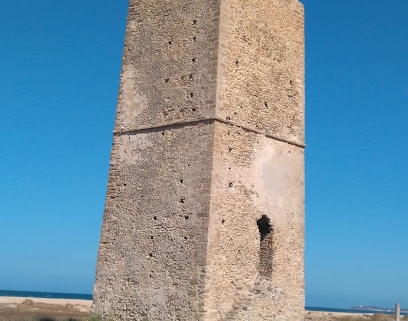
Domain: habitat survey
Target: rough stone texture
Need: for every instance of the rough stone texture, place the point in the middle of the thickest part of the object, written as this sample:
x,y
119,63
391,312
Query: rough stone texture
x,y
152,254
169,63
204,213
250,279
261,67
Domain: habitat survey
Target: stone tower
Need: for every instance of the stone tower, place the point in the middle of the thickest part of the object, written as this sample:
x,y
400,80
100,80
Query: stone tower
x,y
204,213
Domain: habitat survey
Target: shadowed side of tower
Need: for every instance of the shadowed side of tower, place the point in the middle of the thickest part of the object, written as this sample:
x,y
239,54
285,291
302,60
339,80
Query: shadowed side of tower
x,y
152,253
204,214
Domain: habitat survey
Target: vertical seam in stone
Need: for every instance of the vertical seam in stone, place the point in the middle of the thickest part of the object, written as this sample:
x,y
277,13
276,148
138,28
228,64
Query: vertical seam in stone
x,y
216,85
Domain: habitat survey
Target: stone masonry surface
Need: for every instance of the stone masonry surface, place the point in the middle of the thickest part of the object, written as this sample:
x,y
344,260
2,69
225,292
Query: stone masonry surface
x,y
204,212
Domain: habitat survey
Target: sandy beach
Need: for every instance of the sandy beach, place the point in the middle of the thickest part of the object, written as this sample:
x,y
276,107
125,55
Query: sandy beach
x,y
16,308
329,316
81,305
23,308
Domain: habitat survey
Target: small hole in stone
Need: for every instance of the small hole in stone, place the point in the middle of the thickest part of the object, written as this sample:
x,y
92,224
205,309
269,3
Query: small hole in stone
x,y
289,152
188,165
194,38
155,218
229,149
124,184
182,200
170,42
228,118
266,104
166,79
151,254
181,181
191,76
223,221
150,275
230,184
185,237
193,109
194,59
236,62
194,22
191,95
291,82
229,168
163,133
186,217
151,237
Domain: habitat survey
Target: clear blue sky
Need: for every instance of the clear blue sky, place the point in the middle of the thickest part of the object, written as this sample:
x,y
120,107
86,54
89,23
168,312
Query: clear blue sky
x,y
60,64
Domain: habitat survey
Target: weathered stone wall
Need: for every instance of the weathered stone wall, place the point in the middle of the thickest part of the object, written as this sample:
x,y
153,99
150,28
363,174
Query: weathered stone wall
x,y
249,278
261,67
169,63
152,253
258,168
204,214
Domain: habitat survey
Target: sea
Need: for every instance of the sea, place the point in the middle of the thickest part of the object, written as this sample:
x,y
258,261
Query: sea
x,y
84,296
52,295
